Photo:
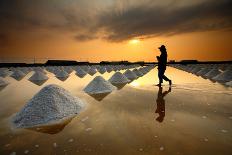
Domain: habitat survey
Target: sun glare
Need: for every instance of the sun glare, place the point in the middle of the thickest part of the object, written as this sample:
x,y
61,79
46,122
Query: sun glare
x,y
134,41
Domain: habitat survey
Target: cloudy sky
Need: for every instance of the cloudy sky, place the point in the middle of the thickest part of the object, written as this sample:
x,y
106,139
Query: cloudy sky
x,y
96,30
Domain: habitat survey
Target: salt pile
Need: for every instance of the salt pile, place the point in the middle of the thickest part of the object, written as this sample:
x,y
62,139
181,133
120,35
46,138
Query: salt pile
x,y
49,106
137,72
38,78
4,72
225,76
203,71
212,73
92,71
3,82
102,70
80,72
62,75
99,86
18,75
118,78
130,75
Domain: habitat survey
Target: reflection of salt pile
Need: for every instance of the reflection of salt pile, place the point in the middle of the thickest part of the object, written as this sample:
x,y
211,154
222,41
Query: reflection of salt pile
x,y
50,105
3,82
224,76
118,78
130,75
99,86
38,78
18,75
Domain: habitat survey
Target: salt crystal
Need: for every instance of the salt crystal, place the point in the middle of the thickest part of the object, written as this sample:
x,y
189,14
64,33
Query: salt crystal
x,y
224,131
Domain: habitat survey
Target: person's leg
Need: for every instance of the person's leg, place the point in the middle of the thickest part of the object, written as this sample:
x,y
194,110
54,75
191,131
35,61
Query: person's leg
x,y
160,75
167,79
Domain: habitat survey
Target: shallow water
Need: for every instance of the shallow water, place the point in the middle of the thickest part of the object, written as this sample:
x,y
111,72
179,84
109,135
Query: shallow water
x,y
193,117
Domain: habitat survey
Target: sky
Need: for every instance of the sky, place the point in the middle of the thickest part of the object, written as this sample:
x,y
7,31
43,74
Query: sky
x,y
114,30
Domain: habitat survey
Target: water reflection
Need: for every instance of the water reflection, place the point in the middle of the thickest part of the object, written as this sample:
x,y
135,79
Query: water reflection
x,y
38,82
119,85
161,103
52,129
99,97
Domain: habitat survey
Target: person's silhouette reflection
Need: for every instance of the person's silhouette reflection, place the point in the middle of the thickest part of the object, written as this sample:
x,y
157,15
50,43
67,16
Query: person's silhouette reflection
x,y
161,104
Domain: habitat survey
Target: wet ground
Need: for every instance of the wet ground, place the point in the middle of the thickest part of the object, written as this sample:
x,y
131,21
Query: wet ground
x,y
192,117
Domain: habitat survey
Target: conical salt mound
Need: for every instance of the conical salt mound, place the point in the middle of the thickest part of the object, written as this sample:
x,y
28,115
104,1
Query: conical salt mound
x,y
62,74
99,86
18,75
203,71
38,76
3,82
225,76
130,75
4,72
102,70
80,72
49,106
212,73
118,78
92,71
137,72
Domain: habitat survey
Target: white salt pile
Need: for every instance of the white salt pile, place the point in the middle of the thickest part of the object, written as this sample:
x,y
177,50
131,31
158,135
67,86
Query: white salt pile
x,y
102,70
212,73
3,82
38,76
62,75
18,75
225,76
92,71
99,86
4,72
49,106
203,71
137,72
118,78
80,72
130,75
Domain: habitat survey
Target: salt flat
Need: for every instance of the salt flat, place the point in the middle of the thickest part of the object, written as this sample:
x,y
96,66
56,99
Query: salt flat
x,y
196,114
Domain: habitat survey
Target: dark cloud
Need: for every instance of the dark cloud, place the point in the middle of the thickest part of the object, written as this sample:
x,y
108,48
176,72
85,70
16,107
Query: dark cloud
x,y
149,21
117,21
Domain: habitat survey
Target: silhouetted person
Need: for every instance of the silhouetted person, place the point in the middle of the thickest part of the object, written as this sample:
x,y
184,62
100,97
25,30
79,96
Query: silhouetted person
x,y
162,63
161,104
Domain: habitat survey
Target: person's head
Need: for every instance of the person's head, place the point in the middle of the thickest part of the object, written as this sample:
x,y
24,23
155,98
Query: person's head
x,y
162,48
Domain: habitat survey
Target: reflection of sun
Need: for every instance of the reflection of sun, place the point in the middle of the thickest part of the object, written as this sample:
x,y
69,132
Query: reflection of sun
x,y
134,84
134,41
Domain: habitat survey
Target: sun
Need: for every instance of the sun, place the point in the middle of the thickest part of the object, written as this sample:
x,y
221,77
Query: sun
x,y
134,41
